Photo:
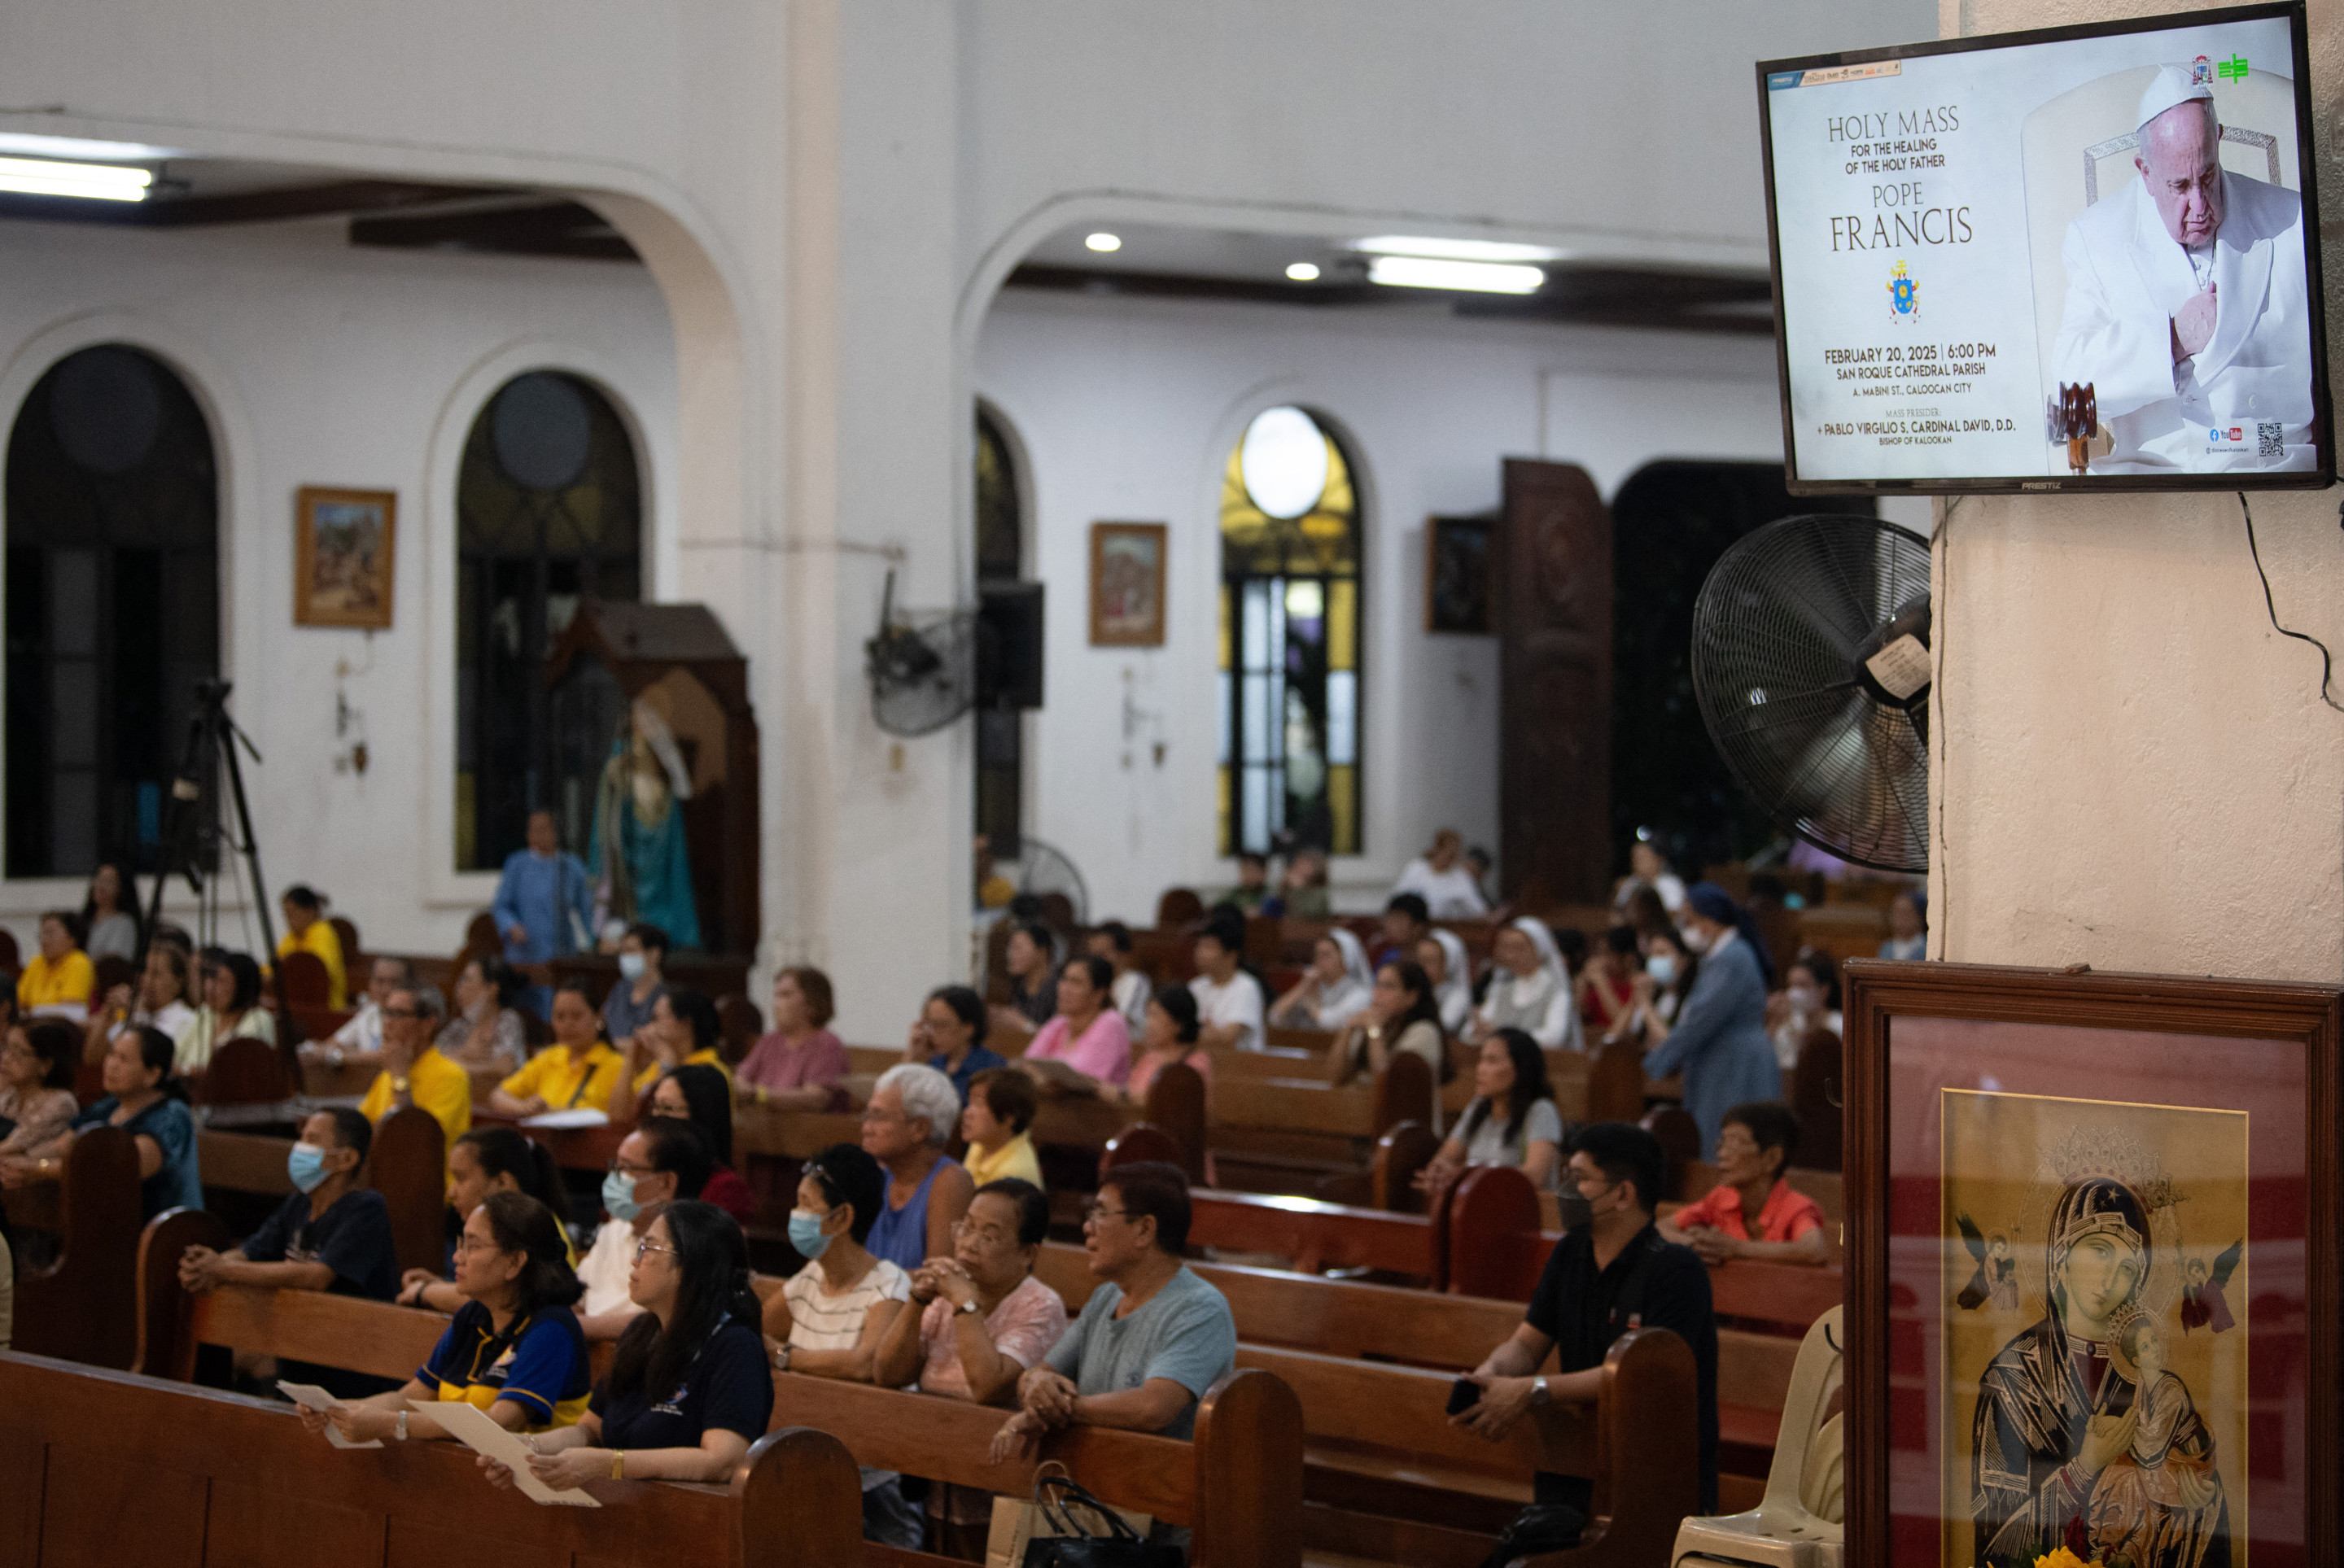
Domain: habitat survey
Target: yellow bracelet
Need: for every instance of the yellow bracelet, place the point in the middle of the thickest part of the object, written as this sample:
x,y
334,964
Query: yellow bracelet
x,y
618,1464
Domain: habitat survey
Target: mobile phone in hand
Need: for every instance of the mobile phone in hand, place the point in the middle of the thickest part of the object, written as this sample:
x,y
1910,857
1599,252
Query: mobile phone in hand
x,y
1463,1395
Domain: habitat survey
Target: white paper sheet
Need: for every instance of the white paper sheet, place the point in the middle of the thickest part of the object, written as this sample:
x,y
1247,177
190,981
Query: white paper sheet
x,y
558,1120
471,1426
309,1396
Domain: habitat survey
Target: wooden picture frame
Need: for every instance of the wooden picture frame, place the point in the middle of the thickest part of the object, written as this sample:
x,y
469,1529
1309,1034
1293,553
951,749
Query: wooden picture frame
x,y
1128,584
2129,1113
1457,574
345,550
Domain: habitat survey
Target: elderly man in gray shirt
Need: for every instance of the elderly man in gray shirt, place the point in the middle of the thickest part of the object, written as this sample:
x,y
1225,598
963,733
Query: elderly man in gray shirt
x,y
1152,1338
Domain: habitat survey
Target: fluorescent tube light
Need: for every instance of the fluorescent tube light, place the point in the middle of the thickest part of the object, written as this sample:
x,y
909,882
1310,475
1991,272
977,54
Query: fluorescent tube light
x,y
1303,271
1476,276
92,181
1457,249
1103,242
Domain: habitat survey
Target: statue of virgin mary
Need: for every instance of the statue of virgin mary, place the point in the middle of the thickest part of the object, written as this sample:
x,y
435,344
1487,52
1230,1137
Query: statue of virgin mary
x,y
642,865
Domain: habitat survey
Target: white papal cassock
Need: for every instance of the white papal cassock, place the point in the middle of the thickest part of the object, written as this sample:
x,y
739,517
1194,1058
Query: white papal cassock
x,y
2126,279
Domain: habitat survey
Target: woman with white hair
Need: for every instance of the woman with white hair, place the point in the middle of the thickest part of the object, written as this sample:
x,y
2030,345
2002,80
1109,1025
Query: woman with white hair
x,y
1333,990
1529,976
912,1111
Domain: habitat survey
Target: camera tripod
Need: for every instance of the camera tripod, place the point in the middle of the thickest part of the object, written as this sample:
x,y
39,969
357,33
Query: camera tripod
x,y
196,826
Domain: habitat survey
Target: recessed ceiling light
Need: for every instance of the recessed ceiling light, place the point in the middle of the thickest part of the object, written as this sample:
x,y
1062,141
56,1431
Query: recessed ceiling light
x,y
93,182
1474,276
1103,242
1457,249
1303,272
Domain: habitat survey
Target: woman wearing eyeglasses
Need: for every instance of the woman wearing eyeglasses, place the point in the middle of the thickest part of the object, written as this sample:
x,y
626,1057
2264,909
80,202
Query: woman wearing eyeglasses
x,y
689,1390
983,1320
513,1349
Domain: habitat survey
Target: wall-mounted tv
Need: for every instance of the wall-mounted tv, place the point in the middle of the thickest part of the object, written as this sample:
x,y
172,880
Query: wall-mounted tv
x,y
2079,259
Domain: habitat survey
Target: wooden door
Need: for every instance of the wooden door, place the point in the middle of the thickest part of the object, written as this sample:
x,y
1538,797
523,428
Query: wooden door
x,y
1553,611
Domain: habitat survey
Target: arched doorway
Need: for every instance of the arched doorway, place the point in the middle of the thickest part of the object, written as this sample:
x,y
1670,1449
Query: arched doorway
x,y
549,512
113,605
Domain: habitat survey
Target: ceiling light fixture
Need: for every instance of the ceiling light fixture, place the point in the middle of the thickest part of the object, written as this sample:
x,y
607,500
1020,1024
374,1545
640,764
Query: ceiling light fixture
x,y
1495,250
92,182
1103,242
1472,276
1303,271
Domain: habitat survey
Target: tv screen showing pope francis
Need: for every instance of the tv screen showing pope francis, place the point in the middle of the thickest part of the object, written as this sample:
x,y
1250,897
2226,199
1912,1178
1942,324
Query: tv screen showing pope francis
x,y
2060,260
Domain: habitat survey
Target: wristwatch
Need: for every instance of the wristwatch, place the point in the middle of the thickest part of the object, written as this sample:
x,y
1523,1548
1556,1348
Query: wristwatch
x,y
966,1306
782,1358
1539,1393
400,1426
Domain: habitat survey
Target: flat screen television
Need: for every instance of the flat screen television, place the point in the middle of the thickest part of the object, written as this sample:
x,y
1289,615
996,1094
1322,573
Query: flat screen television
x,y
2080,259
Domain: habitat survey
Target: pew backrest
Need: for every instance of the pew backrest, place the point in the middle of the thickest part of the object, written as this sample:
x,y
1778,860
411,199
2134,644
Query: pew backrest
x,y
79,1308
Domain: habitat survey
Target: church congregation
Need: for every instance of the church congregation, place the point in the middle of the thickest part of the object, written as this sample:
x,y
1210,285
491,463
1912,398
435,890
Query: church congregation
x,y
794,783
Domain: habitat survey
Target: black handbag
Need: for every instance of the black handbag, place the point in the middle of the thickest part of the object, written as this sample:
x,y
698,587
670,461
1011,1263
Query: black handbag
x,y
1057,1496
1540,1527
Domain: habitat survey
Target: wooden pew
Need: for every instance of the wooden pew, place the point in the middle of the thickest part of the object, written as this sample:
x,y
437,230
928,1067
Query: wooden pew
x,y
79,1308
1238,1485
109,1466
1312,1236
1290,1134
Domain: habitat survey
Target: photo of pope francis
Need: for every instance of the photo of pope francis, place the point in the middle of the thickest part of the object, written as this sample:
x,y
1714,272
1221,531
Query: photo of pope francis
x,y
2187,307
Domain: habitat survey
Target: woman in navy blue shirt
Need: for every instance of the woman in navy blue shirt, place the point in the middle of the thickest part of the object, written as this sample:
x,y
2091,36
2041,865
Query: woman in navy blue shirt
x,y
689,1388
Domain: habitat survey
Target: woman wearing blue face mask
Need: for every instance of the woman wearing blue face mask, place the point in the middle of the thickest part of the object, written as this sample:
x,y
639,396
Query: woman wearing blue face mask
x,y
829,1319
1717,1036
641,952
332,1235
661,1161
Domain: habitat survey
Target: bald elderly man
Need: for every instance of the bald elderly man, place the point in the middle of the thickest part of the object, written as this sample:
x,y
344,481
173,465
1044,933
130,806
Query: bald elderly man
x,y
2187,307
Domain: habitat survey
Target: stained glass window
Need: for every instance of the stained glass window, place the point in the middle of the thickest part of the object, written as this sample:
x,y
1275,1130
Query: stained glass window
x,y
113,606
1289,639
549,512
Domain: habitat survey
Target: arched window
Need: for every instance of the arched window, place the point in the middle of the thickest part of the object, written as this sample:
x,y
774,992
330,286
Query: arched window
x,y
1289,658
1000,554
113,605
548,511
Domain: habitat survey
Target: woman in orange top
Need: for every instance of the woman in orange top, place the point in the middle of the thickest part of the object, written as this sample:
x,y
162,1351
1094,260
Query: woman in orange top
x,y
1754,1211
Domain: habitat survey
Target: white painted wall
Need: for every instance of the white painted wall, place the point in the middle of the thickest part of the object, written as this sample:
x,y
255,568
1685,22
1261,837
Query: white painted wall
x,y
1126,411
2133,769
832,191
323,365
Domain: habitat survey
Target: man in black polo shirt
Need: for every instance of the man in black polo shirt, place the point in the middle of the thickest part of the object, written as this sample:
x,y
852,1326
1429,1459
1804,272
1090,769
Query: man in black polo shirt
x,y
1610,1274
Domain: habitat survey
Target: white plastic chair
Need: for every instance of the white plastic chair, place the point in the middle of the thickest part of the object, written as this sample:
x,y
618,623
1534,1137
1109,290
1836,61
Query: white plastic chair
x,y
1783,1531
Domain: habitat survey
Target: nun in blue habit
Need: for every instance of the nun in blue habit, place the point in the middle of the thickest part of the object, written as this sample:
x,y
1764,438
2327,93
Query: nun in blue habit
x,y
1719,1039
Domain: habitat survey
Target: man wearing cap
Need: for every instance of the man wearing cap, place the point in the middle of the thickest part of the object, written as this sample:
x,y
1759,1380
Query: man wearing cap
x,y
2187,307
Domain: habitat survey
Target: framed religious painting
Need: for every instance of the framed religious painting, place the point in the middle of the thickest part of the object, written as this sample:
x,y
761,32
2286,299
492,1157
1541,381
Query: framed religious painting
x,y
1128,585
1457,574
343,552
2091,1270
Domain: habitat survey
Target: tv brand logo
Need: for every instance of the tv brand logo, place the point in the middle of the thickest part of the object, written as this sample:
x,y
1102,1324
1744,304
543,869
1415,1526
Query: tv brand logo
x,y
1904,293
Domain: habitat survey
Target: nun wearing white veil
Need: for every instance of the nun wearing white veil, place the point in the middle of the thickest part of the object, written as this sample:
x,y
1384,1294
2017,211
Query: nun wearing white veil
x,y
1455,987
1529,988
1333,990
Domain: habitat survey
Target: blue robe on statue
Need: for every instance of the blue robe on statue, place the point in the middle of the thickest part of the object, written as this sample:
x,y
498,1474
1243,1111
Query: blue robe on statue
x,y
654,866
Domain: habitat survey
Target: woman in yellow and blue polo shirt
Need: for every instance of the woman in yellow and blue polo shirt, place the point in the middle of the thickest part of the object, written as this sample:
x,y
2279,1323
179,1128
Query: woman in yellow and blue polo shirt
x,y
513,1349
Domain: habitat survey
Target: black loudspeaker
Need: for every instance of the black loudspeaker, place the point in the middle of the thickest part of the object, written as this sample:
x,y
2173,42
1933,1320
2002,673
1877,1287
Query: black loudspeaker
x,y
1009,645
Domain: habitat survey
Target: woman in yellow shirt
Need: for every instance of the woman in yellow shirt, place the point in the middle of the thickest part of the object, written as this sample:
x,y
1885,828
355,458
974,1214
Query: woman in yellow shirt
x,y
577,1072
1001,1106
307,930
682,1032
60,979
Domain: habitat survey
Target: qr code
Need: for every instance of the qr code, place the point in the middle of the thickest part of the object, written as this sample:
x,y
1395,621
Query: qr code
x,y
2270,439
